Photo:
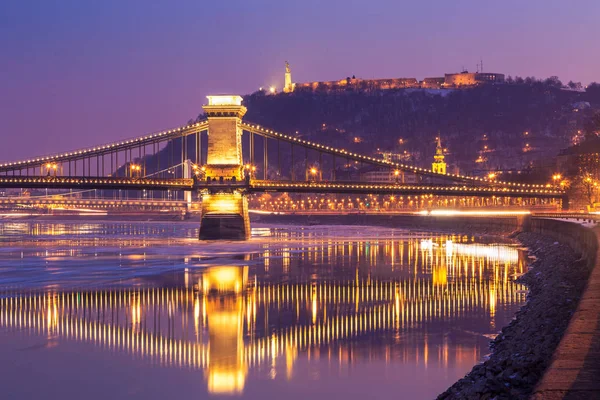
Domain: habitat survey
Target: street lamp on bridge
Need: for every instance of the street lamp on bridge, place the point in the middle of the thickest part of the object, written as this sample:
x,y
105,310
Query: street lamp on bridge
x,y
556,178
51,167
250,170
133,169
199,171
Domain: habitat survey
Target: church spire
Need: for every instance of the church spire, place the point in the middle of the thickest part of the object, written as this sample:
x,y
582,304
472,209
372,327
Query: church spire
x,y
439,164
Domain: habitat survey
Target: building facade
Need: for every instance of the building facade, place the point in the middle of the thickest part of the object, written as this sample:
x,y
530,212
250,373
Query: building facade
x,y
454,80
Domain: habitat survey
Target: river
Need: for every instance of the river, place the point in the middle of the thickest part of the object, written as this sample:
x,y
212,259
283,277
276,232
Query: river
x,y
144,310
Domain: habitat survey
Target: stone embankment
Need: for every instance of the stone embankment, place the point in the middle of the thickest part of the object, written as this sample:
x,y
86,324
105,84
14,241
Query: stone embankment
x,y
523,350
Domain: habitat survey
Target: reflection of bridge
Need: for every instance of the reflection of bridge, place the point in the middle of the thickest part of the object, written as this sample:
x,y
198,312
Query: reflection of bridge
x,y
226,335
208,157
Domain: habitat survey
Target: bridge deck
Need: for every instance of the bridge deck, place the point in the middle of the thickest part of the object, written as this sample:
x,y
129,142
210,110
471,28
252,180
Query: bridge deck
x,y
108,183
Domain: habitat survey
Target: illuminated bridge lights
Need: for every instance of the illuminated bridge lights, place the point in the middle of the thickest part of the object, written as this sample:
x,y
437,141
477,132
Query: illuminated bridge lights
x,y
96,183
355,187
188,129
258,185
492,186
266,132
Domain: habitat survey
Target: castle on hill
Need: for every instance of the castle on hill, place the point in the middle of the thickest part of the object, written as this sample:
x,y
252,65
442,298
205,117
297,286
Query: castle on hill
x,y
448,81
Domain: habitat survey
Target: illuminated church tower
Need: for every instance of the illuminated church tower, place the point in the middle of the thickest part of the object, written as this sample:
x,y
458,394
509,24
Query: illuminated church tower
x,y
288,86
439,165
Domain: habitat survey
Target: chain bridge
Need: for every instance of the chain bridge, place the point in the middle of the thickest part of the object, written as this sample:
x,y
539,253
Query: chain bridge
x,y
223,159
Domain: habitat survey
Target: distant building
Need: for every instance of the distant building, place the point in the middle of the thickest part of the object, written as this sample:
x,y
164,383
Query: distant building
x,y
467,78
459,80
432,83
359,84
387,176
397,157
439,165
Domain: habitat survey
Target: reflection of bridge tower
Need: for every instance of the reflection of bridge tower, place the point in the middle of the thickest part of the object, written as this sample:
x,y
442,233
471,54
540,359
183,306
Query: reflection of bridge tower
x,y
227,368
439,165
224,211
224,279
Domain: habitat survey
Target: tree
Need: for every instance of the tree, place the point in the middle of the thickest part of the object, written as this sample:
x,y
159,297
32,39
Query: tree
x,y
574,85
553,81
592,126
590,188
592,92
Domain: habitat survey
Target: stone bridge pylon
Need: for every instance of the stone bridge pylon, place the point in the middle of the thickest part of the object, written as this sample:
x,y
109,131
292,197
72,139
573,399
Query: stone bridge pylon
x,y
224,210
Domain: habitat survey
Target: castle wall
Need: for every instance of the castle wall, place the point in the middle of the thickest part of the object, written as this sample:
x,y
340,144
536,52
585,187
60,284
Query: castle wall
x,y
449,80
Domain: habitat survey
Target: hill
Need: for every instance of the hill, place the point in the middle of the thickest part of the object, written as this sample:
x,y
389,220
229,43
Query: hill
x,y
511,126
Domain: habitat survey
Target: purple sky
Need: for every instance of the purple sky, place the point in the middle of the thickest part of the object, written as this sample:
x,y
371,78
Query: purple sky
x,y
76,73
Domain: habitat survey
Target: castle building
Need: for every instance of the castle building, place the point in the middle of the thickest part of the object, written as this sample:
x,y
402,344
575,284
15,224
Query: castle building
x,y
466,78
439,165
463,79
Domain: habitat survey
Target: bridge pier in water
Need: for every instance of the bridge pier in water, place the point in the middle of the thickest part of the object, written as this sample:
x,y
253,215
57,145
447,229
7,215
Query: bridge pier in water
x,y
224,216
224,210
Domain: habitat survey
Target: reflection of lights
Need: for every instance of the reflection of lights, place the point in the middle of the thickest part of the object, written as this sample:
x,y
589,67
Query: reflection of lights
x,y
384,305
440,276
226,382
136,314
224,279
427,244
491,252
314,306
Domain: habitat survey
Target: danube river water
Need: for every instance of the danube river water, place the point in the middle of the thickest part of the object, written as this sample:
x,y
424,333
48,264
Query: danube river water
x,y
143,310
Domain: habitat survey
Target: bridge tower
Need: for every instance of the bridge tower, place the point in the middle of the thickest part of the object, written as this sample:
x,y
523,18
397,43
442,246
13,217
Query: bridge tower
x,y
224,210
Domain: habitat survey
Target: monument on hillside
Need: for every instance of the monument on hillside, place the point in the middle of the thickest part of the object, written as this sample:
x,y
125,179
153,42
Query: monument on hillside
x,y
288,86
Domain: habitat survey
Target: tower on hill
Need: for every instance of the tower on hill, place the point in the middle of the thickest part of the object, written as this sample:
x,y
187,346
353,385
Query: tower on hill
x,y
288,86
439,165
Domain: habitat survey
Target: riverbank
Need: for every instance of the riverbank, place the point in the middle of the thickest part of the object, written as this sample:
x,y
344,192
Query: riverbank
x,y
523,350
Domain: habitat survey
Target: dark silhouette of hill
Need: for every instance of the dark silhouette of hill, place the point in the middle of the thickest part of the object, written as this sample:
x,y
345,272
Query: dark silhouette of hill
x,y
509,126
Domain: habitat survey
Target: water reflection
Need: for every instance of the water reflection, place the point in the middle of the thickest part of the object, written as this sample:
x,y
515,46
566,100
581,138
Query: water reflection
x,y
225,331
294,306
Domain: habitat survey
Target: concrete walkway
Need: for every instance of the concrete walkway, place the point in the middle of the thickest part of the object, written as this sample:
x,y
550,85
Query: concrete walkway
x,y
575,370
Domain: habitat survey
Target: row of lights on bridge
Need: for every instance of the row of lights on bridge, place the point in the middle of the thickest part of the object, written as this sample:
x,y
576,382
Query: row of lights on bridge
x,y
201,125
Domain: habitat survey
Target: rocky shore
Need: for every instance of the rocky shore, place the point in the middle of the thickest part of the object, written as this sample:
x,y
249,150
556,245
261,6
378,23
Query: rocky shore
x,y
523,350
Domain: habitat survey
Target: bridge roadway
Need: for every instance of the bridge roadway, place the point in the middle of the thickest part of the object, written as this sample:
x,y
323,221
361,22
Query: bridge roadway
x,y
65,200
111,183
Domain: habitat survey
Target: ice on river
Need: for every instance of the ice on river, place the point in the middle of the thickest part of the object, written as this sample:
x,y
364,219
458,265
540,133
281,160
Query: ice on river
x,y
78,254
